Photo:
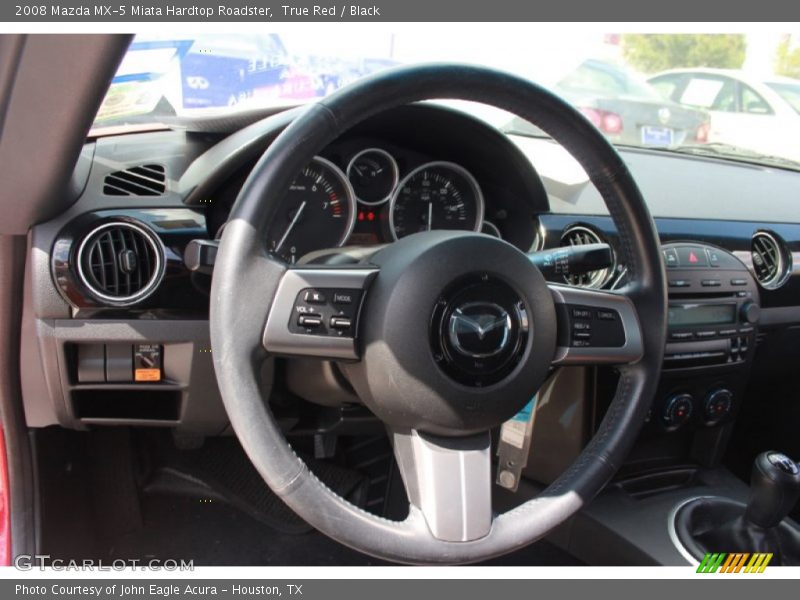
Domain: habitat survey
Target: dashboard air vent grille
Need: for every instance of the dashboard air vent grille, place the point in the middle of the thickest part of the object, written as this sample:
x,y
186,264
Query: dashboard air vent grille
x,y
578,235
121,263
144,180
770,260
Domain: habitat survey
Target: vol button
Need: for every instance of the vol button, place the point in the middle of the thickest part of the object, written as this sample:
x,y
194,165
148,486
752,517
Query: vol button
x,y
309,320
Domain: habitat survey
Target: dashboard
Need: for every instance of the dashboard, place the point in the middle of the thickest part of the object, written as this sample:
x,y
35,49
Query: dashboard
x,y
117,322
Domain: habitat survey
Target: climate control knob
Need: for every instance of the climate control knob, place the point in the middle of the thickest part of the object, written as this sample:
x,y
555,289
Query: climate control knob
x,y
677,411
717,406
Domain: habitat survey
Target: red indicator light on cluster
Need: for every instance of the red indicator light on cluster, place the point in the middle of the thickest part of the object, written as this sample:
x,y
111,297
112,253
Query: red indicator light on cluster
x,y
366,215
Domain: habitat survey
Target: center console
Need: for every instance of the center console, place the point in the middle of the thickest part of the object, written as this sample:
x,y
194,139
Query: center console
x,y
711,337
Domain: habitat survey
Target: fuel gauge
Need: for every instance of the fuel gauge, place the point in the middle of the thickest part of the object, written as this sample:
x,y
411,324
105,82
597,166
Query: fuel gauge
x,y
373,173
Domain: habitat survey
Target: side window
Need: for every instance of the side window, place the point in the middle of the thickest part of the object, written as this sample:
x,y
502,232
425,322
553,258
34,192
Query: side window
x,y
712,93
726,99
753,103
667,85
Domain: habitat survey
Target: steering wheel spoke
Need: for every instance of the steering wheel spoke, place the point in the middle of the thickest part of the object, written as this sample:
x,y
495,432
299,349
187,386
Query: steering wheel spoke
x,y
595,327
315,312
448,479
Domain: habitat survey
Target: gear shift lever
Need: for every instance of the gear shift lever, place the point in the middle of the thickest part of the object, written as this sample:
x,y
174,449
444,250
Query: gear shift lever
x,y
774,489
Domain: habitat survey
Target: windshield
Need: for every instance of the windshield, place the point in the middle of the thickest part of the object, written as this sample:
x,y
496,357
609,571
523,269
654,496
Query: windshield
x,y
667,91
789,92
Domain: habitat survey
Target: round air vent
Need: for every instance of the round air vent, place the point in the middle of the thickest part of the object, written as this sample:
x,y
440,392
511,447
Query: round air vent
x,y
771,260
578,235
120,263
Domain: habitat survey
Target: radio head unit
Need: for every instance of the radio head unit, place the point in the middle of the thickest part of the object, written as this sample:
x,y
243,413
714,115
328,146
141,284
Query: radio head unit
x,y
713,306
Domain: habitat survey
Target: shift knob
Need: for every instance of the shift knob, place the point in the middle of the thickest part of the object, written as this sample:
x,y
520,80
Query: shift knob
x,y
774,489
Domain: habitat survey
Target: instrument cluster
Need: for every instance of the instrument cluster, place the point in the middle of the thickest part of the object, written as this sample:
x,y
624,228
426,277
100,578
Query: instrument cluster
x,y
372,200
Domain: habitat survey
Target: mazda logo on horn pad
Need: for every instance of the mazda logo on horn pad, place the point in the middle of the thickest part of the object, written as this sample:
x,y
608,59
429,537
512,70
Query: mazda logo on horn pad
x,y
479,329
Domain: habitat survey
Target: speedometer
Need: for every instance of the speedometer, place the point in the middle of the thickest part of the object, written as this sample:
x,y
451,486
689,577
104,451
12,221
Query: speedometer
x,y
318,212
436,195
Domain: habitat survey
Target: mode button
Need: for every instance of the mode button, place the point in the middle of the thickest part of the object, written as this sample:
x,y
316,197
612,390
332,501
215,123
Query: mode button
x,y
342,297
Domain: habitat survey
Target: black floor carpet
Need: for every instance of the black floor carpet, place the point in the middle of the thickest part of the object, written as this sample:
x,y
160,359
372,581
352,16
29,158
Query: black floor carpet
x,y
220,471
215,534
112,494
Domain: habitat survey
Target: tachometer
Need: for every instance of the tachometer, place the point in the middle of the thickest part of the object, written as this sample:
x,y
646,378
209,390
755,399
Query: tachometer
x,y
436,195
318,212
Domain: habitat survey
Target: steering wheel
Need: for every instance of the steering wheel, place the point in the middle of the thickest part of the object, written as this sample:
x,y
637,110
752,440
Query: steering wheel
x,y
452,334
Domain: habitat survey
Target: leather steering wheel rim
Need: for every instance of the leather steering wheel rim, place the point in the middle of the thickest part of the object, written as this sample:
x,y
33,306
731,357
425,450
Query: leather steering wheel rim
x,y
245,276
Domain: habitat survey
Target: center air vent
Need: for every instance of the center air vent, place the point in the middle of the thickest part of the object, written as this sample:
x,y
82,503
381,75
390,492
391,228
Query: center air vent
x,y
578,235
771,260
121,263
144,180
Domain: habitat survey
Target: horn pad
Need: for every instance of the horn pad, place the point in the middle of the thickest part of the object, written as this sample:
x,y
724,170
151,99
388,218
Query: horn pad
x,y
457,333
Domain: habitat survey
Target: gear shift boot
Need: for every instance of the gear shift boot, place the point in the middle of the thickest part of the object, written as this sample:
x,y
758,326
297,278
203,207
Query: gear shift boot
x,y
713,524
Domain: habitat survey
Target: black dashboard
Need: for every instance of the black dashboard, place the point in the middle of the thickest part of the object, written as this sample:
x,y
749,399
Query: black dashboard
x,y
119,323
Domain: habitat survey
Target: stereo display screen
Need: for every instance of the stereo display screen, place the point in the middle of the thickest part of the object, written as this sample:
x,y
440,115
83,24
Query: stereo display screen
x,y
687,315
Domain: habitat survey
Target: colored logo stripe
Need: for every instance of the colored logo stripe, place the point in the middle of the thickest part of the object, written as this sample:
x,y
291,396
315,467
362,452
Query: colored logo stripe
x,y
758,563
711,563
735,562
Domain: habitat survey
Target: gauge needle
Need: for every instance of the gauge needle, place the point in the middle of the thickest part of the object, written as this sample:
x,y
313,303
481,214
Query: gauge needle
x,y
430,214
291,226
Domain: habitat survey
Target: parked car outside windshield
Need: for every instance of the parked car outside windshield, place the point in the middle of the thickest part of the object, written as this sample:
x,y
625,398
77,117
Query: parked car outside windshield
x,y
627,109
762,115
